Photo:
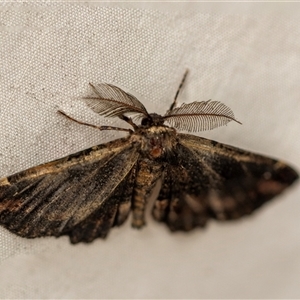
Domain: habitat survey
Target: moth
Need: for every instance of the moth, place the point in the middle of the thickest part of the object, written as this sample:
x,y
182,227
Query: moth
x,y
85,194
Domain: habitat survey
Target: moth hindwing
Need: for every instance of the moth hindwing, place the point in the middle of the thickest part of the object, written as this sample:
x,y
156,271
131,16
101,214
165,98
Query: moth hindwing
x,y
85,194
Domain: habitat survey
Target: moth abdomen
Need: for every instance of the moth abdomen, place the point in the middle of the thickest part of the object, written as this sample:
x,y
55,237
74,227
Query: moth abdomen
x,y
147,174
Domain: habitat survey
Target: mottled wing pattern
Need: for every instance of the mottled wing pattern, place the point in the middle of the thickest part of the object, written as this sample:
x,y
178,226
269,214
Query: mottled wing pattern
x,y
113,212
212,180
181,202
81,195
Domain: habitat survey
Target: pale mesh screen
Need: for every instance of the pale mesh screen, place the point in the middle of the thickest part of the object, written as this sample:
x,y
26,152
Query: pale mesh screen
x,y
49,53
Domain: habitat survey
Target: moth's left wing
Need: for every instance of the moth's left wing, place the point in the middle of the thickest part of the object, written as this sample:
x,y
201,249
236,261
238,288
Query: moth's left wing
x,y
206,179
81,195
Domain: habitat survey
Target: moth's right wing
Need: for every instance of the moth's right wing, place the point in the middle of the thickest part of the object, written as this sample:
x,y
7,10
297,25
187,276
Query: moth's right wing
x,y
82,195
206,179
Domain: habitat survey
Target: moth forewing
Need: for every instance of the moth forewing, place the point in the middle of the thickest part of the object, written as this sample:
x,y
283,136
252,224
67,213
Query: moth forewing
x,y
245,180
87,193
53,198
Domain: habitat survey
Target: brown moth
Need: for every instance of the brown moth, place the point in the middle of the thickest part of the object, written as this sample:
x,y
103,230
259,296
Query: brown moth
x,y
85,194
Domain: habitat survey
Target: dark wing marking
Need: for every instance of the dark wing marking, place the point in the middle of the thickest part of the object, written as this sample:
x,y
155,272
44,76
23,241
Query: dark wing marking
x,y
223,182
113,212
55,198
109,100
181,202
200,116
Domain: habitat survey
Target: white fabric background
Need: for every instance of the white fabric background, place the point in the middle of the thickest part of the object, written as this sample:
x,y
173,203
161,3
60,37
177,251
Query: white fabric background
x,y
244,55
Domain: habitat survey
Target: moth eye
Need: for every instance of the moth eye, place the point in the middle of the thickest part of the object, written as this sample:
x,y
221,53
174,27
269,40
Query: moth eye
x,y
145,121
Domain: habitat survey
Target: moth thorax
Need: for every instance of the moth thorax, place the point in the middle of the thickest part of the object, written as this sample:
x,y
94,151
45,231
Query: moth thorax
x,y
158,140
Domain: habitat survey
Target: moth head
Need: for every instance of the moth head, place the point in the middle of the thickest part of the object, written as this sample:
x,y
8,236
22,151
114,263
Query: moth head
x,y
153,120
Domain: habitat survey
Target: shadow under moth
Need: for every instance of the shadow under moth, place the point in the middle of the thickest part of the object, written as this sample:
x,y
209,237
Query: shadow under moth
x,y
84,194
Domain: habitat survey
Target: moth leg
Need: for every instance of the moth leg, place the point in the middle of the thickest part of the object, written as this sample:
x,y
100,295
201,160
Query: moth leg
x,y
148,173
174,104
94,126
161,205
